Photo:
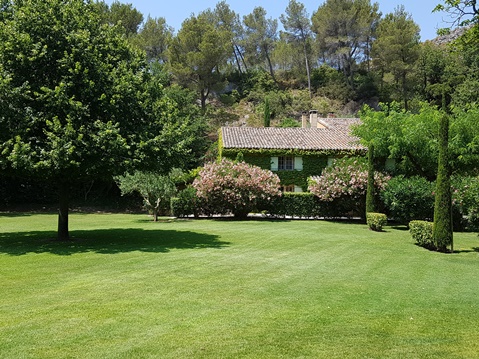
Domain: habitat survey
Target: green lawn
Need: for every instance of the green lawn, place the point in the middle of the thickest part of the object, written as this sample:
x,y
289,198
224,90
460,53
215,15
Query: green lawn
x,y
131,288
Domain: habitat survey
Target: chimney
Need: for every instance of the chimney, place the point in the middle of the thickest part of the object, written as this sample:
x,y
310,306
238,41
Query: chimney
x,y
313,118
304,119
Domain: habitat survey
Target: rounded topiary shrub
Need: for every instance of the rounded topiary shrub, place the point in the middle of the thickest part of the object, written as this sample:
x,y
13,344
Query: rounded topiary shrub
x,y
421,232
376,221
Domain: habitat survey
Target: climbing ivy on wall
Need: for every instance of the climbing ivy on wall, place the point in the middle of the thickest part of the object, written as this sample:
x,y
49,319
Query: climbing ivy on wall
x,y
313,164
313,161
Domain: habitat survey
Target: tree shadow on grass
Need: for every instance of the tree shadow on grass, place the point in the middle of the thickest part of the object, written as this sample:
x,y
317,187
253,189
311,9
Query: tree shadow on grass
x,y
106,241
14,214
472,250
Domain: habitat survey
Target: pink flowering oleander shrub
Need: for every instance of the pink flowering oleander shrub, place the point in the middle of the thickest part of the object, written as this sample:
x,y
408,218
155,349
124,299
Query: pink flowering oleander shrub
x,y
342,187
234,187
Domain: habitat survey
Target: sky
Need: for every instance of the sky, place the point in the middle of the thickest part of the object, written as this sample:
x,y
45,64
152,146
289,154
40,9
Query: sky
x,y
175,11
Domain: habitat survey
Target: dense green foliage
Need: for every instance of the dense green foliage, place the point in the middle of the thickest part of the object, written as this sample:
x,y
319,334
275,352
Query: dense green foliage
x,y
239,69
443,231
76,102
155,189
411,138
370,191
421,232
409,198
376,221
289,204
466,202
187,203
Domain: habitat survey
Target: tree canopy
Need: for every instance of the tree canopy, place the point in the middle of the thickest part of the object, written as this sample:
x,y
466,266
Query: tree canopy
x,y
412,138
77,101
396,51
197,52
345,30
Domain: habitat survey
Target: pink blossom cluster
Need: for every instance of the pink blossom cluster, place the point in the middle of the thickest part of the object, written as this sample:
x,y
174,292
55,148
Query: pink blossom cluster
x,y
235,186
345,180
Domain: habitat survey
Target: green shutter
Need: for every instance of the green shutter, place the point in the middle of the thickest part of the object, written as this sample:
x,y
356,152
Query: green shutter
x,y
298,163
274,163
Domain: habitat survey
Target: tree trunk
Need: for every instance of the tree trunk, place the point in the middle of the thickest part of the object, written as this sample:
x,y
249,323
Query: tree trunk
x,y
204,96
271,71
307,68
242,58
64,199
404,92
238,64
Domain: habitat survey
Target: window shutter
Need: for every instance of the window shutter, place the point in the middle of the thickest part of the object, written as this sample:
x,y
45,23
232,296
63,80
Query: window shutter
x,y
274,163
330,161
298,163
298,189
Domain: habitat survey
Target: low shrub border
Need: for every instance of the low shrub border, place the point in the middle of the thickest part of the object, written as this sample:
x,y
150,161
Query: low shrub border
x,y
302,205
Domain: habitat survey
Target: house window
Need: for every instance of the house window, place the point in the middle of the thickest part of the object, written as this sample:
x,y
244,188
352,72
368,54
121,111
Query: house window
x,y
291,188
286,163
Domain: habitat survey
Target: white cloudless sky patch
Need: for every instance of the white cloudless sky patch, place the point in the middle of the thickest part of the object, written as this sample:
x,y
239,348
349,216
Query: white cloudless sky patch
x,y
176,11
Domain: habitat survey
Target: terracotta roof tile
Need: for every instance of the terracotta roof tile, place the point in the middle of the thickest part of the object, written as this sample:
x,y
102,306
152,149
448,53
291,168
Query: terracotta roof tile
x,y
336,136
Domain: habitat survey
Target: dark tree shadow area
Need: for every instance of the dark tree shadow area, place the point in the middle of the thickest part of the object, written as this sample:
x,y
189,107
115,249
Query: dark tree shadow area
x,y
14,214
106,241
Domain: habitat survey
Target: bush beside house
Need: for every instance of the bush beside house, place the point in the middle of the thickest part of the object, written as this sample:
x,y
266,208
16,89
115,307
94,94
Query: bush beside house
x,y
234,187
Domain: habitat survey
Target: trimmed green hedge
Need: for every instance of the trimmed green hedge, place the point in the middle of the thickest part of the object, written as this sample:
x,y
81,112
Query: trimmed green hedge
x,y
421,232
376,221
302,205
186,203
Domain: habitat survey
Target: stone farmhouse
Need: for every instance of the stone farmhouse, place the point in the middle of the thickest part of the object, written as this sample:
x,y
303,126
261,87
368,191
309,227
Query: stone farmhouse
x,y
294,154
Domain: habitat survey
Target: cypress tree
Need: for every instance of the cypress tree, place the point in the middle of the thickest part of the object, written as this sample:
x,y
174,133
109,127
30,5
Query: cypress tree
x,y
267,114
443,230
370,207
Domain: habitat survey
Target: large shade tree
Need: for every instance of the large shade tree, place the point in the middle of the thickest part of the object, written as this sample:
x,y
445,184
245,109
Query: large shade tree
x,y
227,20
345,31
261,35
412,138
395,53
197,53
297,26
153,38
76,101
124,15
